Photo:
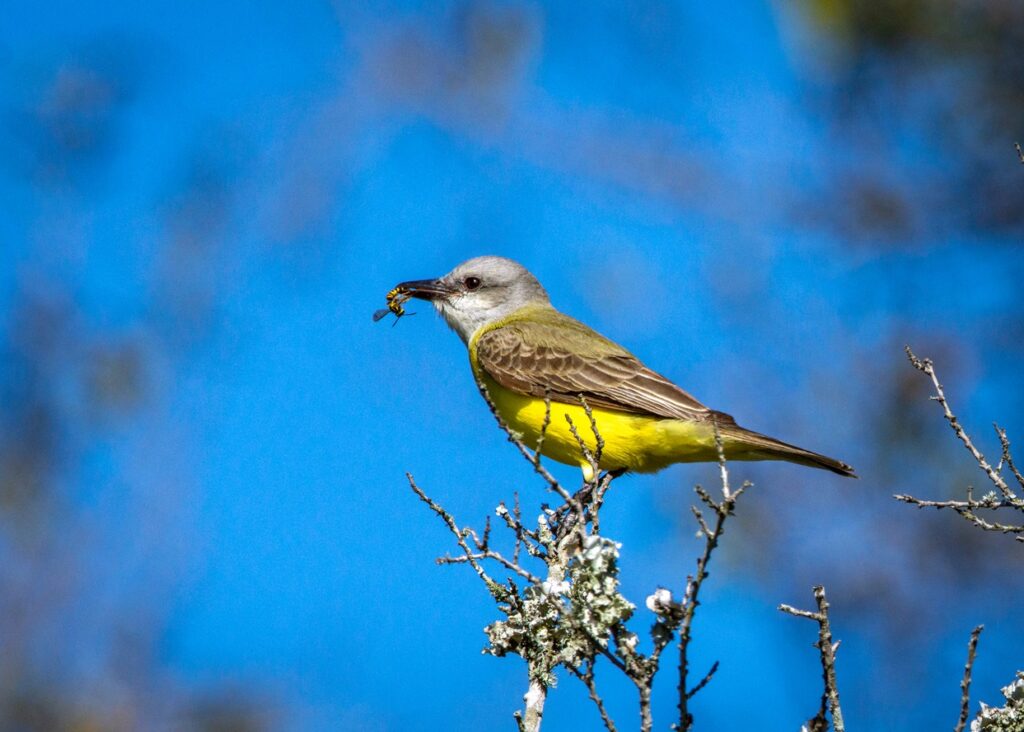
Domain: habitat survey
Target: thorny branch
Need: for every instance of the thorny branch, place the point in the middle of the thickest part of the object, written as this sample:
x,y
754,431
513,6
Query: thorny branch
x,y
1004,498
827,649
571,614
965,683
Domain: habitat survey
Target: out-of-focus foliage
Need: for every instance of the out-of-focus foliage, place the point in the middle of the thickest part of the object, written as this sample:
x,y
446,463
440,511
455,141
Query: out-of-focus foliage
x,y
63,128
914,87
88,558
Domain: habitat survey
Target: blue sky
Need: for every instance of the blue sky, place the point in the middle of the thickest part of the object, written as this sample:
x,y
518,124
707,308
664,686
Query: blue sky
x,y
640,164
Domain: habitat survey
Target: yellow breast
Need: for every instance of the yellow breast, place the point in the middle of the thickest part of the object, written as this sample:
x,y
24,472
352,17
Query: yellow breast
x,y
631,441
635,442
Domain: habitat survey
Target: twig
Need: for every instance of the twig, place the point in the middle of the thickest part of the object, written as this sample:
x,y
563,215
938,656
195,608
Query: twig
x,y
925,365
691,597
598,440
525,538
574,502
543,428
587,677
703,682
1006,498
494,556
965,683
485,544
529,455
588,455
1020,153
828,654
596,484
459,535
966,509
816,617
969,504
1004,442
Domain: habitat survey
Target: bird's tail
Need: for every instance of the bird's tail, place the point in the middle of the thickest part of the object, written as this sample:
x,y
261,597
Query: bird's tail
x,y
743,444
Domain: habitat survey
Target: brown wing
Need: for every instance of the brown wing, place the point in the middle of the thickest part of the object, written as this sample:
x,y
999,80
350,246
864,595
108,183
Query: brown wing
x,y
562,358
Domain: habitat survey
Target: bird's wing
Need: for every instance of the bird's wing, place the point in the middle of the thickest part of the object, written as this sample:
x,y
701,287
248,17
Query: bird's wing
x,y
562,359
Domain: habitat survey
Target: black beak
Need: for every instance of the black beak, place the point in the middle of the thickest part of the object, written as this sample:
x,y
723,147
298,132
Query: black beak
x,y
425,289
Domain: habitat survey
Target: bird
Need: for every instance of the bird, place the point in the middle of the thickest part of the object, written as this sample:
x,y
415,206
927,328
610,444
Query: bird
x,y
547,374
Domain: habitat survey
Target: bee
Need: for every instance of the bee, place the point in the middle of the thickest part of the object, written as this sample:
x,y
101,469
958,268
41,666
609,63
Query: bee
x,y
396,299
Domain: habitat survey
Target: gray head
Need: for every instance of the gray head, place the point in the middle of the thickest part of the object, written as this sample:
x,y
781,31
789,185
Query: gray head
x,y
479,291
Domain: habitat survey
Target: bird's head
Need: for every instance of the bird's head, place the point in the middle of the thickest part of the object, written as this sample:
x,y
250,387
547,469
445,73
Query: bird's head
x,y
479,291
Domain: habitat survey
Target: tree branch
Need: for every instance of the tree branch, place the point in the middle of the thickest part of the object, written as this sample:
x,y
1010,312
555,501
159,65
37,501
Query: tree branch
x,y
691,597
569,615
587,677
828,659
965,683
1004,498
459,534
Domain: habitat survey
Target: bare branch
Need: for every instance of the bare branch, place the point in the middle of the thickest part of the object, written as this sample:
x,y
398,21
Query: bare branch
x,y
494,556
691,597
520,725
925,365
1004,441
530,456
525,538
588,455
703,682
583,615
1004,498
965,683
598,440
459,535
967,508
816,617
828,655
1020,153
705,529
485,543
543,428
603,484
587,677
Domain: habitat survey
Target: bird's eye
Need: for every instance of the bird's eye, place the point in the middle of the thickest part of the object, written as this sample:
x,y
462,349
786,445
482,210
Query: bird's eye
x,y
471,283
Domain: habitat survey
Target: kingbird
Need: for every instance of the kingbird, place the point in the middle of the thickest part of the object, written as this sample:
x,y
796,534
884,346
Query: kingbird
x,y
539,366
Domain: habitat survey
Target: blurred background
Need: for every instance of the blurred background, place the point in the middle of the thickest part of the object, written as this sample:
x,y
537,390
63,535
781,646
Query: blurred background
x,y
204,522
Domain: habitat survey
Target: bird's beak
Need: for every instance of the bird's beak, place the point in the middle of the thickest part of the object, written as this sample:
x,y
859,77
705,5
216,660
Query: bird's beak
x,y
425,289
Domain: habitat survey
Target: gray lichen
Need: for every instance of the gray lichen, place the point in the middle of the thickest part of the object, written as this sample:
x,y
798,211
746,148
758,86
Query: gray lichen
x,y
557,622
1008,718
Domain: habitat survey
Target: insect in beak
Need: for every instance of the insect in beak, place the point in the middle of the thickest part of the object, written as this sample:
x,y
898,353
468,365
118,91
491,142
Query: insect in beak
x,y
396,298
403,292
